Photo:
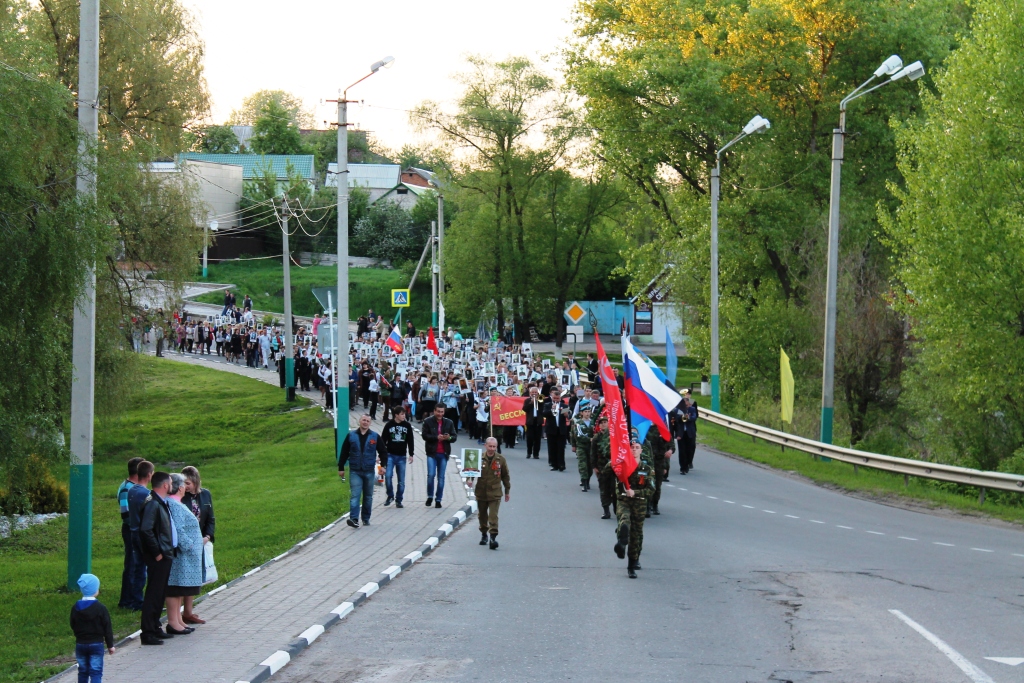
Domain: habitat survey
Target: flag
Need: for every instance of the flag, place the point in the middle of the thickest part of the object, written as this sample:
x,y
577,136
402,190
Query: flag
x,y
623,462
649,397
786,379
507,411
432,343
394,340
671,362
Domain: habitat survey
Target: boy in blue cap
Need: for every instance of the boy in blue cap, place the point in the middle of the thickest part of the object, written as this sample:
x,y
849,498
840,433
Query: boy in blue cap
x,y
90,621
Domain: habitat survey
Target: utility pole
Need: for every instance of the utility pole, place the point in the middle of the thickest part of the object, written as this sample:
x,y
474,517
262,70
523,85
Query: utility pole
x,y
83,353
433,275
341,368
831,284
440,260
289,354
716,175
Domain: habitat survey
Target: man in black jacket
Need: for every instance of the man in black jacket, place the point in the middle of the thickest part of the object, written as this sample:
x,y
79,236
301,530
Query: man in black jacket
x,y
396,440
534,408
438,436
159,546
556,426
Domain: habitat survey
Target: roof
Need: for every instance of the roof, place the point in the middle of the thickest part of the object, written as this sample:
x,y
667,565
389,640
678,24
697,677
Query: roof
x,y
253,164
370,176
428,176
417,190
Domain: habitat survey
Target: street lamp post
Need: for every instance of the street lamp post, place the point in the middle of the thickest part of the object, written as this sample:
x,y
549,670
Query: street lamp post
x,y
213,226
892,67
289,352
341,368
758,124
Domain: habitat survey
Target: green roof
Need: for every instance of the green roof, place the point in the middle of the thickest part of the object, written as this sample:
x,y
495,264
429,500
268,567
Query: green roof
x,y
254,164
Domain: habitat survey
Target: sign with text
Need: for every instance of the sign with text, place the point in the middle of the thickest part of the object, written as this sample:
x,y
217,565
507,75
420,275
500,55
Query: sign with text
x,y
643,318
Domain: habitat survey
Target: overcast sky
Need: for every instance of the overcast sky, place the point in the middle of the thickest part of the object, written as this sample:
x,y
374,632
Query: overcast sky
x,y
314,47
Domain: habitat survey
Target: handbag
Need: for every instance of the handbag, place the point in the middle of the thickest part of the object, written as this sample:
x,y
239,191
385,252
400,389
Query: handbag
x,y
209,568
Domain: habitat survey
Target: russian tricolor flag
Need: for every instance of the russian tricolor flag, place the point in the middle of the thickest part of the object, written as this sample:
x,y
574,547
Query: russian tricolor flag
x,y
394,340
648,396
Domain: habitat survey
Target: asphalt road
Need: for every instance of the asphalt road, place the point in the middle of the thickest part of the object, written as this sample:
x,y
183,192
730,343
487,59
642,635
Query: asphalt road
x,y
748,575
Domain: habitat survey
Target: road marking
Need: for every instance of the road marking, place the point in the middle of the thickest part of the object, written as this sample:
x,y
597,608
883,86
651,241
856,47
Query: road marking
x,y
713,497
983,550
816,521
876,533
696,494
792,516
948,545
770,512
973,672
557,588
671,486
729,502
681,488
1012,661
1017,555
749,507
843,527
908,538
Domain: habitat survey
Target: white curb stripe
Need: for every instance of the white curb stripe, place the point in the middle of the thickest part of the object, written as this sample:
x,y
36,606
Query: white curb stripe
x,y
343,609
136,634
312,633
392,571
284,554
446,528
252,571
472,505
432,541
216,590
461,515
369,589
304,541
276,661
413,556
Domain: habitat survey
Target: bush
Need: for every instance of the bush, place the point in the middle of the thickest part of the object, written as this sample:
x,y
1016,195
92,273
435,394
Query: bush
x,y
38,491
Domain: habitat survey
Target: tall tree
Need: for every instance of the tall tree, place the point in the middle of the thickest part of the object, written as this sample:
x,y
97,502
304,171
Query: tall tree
x,y
275,133
253,106
219,140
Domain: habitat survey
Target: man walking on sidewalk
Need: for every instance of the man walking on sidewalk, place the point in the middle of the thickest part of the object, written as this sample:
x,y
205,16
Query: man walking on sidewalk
x,y
396,440
493,475
360,450
438,435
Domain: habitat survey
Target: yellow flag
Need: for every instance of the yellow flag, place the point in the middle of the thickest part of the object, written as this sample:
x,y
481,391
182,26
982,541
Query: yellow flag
x,y
786,377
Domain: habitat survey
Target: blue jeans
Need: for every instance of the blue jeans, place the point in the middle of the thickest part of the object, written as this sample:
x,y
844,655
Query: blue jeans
x,y
137,577
361,484
436,465
396,462
90,662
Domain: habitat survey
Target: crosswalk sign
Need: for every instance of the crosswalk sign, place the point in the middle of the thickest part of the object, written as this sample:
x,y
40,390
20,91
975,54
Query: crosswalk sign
x,y
399,298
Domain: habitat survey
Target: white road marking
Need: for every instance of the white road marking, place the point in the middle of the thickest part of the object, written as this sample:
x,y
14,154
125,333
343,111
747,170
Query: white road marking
x,y
973,672
948,545
1017,555
876,533
816,521
983,550
729,502
749,507
792,516
1012,661
908,538
671,486
770,512
843,527
713,497
681,488
696,494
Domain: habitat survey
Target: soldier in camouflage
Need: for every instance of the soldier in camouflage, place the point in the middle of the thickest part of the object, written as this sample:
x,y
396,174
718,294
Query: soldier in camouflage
x,y
580,436
661,451
632,507
600,456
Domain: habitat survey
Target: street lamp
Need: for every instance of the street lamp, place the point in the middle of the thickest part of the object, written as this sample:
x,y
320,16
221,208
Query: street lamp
x,y
758,124
894,69
212,225
341,367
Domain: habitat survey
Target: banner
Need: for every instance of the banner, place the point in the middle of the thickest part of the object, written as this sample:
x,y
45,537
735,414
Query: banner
x,y
623,462
507,411
786,379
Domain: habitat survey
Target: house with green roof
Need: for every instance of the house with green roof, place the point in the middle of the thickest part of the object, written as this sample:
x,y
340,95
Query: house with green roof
x,y
255,165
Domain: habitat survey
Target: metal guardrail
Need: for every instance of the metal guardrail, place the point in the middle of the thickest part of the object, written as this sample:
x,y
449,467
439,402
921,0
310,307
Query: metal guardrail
x,y
905,466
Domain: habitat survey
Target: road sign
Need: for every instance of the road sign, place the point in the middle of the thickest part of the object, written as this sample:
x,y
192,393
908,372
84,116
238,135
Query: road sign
x,y
575,312
399,298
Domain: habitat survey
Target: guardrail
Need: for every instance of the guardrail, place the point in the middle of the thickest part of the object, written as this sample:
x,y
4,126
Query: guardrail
x,y
887,463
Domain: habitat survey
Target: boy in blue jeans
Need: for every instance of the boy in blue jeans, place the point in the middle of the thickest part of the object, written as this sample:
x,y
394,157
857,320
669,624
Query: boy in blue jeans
x,y
90,622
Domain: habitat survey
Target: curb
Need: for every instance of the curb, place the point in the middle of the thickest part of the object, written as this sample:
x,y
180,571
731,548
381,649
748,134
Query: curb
x,y
275,662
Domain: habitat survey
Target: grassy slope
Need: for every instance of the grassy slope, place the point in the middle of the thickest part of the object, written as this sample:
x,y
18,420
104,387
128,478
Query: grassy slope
x,y
272,475
368,288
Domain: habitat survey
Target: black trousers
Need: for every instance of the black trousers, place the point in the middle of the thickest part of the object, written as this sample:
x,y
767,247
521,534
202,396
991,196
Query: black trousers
x,y
687,446
153,603
508,434
534,436
556,451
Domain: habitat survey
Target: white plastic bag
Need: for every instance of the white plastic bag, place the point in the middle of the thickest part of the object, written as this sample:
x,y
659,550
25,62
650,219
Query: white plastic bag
x,y
209,568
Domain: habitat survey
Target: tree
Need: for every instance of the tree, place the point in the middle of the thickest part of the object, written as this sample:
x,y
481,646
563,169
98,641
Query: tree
x,y
957,235
386,232
219,140
254,105
275,133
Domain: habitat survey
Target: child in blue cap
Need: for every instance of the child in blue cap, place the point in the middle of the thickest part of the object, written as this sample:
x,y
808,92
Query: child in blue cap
x,y
90,621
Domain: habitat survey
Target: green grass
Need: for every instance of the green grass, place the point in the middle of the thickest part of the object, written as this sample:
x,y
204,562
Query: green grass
x,y
873,483
368,288
271,471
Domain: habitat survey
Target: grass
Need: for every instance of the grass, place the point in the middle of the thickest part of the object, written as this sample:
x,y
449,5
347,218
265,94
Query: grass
x,y
368,288
270,468
874,483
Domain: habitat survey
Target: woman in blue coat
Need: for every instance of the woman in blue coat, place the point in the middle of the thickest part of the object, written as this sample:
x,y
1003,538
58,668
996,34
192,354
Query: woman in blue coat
x,y
186,576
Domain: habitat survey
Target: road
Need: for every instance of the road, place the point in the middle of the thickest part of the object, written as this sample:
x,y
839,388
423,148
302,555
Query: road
x,y
748,575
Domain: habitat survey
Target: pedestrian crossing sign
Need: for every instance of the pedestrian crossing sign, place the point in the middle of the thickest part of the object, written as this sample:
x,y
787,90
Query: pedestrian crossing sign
x,y
399,298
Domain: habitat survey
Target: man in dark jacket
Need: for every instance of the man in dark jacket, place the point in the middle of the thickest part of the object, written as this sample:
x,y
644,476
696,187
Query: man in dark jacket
x,y
534,409
438,436
159,541
556,426
396,440
360,450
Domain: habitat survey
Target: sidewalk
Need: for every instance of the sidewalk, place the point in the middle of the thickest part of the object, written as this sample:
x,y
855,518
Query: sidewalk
x,y
252,618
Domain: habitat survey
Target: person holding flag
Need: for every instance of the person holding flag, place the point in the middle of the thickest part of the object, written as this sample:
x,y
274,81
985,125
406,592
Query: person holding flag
x,y
394,340
631,508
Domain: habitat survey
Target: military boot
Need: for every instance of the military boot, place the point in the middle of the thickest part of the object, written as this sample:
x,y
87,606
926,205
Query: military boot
x,y
483,538
632,569
607,514
621,541
494,541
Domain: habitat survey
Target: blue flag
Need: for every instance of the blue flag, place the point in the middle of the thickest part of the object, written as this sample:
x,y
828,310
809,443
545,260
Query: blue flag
x,y
670,358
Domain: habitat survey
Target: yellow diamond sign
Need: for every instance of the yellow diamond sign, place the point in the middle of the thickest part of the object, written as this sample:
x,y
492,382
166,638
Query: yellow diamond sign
x,y
575,312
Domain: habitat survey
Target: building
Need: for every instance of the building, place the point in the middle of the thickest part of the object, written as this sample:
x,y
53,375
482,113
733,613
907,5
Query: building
x,y
254,165
386,181
220,187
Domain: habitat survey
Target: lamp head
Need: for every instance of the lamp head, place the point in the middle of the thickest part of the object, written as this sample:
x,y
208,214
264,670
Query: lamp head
x,y
382,64
889,66
214,225
913,72
758,124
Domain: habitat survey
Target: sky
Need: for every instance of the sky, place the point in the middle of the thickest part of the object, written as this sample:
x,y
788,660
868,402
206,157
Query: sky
x,y
313,48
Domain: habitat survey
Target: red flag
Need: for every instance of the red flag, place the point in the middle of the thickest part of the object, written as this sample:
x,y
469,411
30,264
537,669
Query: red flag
x,y
623,462
508,411
432,343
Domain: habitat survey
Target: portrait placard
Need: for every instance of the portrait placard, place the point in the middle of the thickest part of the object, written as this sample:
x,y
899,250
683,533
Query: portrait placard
x,y
471,462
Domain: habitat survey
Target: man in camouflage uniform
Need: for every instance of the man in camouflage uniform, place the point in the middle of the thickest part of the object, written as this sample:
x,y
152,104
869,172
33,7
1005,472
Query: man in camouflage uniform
x,y
493,477
661,453
600,456
632,507
580,435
